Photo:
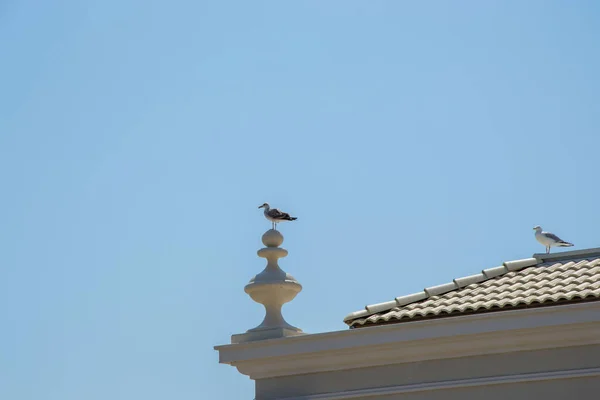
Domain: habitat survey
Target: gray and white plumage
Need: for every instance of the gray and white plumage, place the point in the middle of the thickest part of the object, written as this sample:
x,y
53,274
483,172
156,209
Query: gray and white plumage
x,y
549,239
276,216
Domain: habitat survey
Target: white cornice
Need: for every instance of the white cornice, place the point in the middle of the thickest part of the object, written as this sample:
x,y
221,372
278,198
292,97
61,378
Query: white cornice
x,y
497,332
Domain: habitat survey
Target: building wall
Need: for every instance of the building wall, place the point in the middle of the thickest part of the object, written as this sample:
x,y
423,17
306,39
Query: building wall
x,y
570,389
453,369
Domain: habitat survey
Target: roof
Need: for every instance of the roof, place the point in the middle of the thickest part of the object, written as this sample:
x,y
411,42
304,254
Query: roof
x,y
542,280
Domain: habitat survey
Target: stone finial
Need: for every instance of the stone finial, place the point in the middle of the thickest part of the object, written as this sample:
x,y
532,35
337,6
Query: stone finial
x,y
272,288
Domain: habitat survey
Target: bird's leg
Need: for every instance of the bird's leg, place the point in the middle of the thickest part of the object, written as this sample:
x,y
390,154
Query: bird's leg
x,y
547,249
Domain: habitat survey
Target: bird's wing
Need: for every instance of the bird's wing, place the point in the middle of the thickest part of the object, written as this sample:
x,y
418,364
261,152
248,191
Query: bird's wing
x,y
275,213
553,237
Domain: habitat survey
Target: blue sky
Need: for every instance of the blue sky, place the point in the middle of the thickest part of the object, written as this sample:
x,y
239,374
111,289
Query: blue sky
x,y
415,142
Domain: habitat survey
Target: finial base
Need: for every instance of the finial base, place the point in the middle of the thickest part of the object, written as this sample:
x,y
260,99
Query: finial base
x,y
264,334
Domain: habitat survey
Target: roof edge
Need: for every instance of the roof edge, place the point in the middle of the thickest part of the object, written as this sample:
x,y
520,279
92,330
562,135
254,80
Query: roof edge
x,y
565,255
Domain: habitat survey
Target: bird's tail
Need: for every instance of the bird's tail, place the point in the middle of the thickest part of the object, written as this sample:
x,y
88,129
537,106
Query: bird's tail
x,y
564,244
292,218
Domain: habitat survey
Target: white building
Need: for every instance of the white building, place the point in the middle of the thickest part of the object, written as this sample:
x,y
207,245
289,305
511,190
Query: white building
x,y
527,329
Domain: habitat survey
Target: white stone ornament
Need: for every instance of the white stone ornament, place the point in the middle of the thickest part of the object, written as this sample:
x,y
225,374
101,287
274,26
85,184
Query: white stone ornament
x,y
272,288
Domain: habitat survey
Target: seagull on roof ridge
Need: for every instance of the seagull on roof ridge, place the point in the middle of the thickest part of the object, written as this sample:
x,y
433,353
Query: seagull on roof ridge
x,y
276,216
549,239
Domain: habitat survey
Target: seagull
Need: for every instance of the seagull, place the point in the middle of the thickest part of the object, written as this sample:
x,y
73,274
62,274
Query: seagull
x,y
276,216
549,239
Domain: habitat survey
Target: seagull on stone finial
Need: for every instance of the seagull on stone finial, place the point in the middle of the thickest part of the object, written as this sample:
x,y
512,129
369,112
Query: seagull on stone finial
x,y
549,239
276,216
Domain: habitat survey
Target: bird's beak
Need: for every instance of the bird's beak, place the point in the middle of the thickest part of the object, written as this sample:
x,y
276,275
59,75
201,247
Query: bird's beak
x,y
260,206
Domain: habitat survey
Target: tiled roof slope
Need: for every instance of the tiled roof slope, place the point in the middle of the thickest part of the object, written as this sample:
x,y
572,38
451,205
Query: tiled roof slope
x,y
544,279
